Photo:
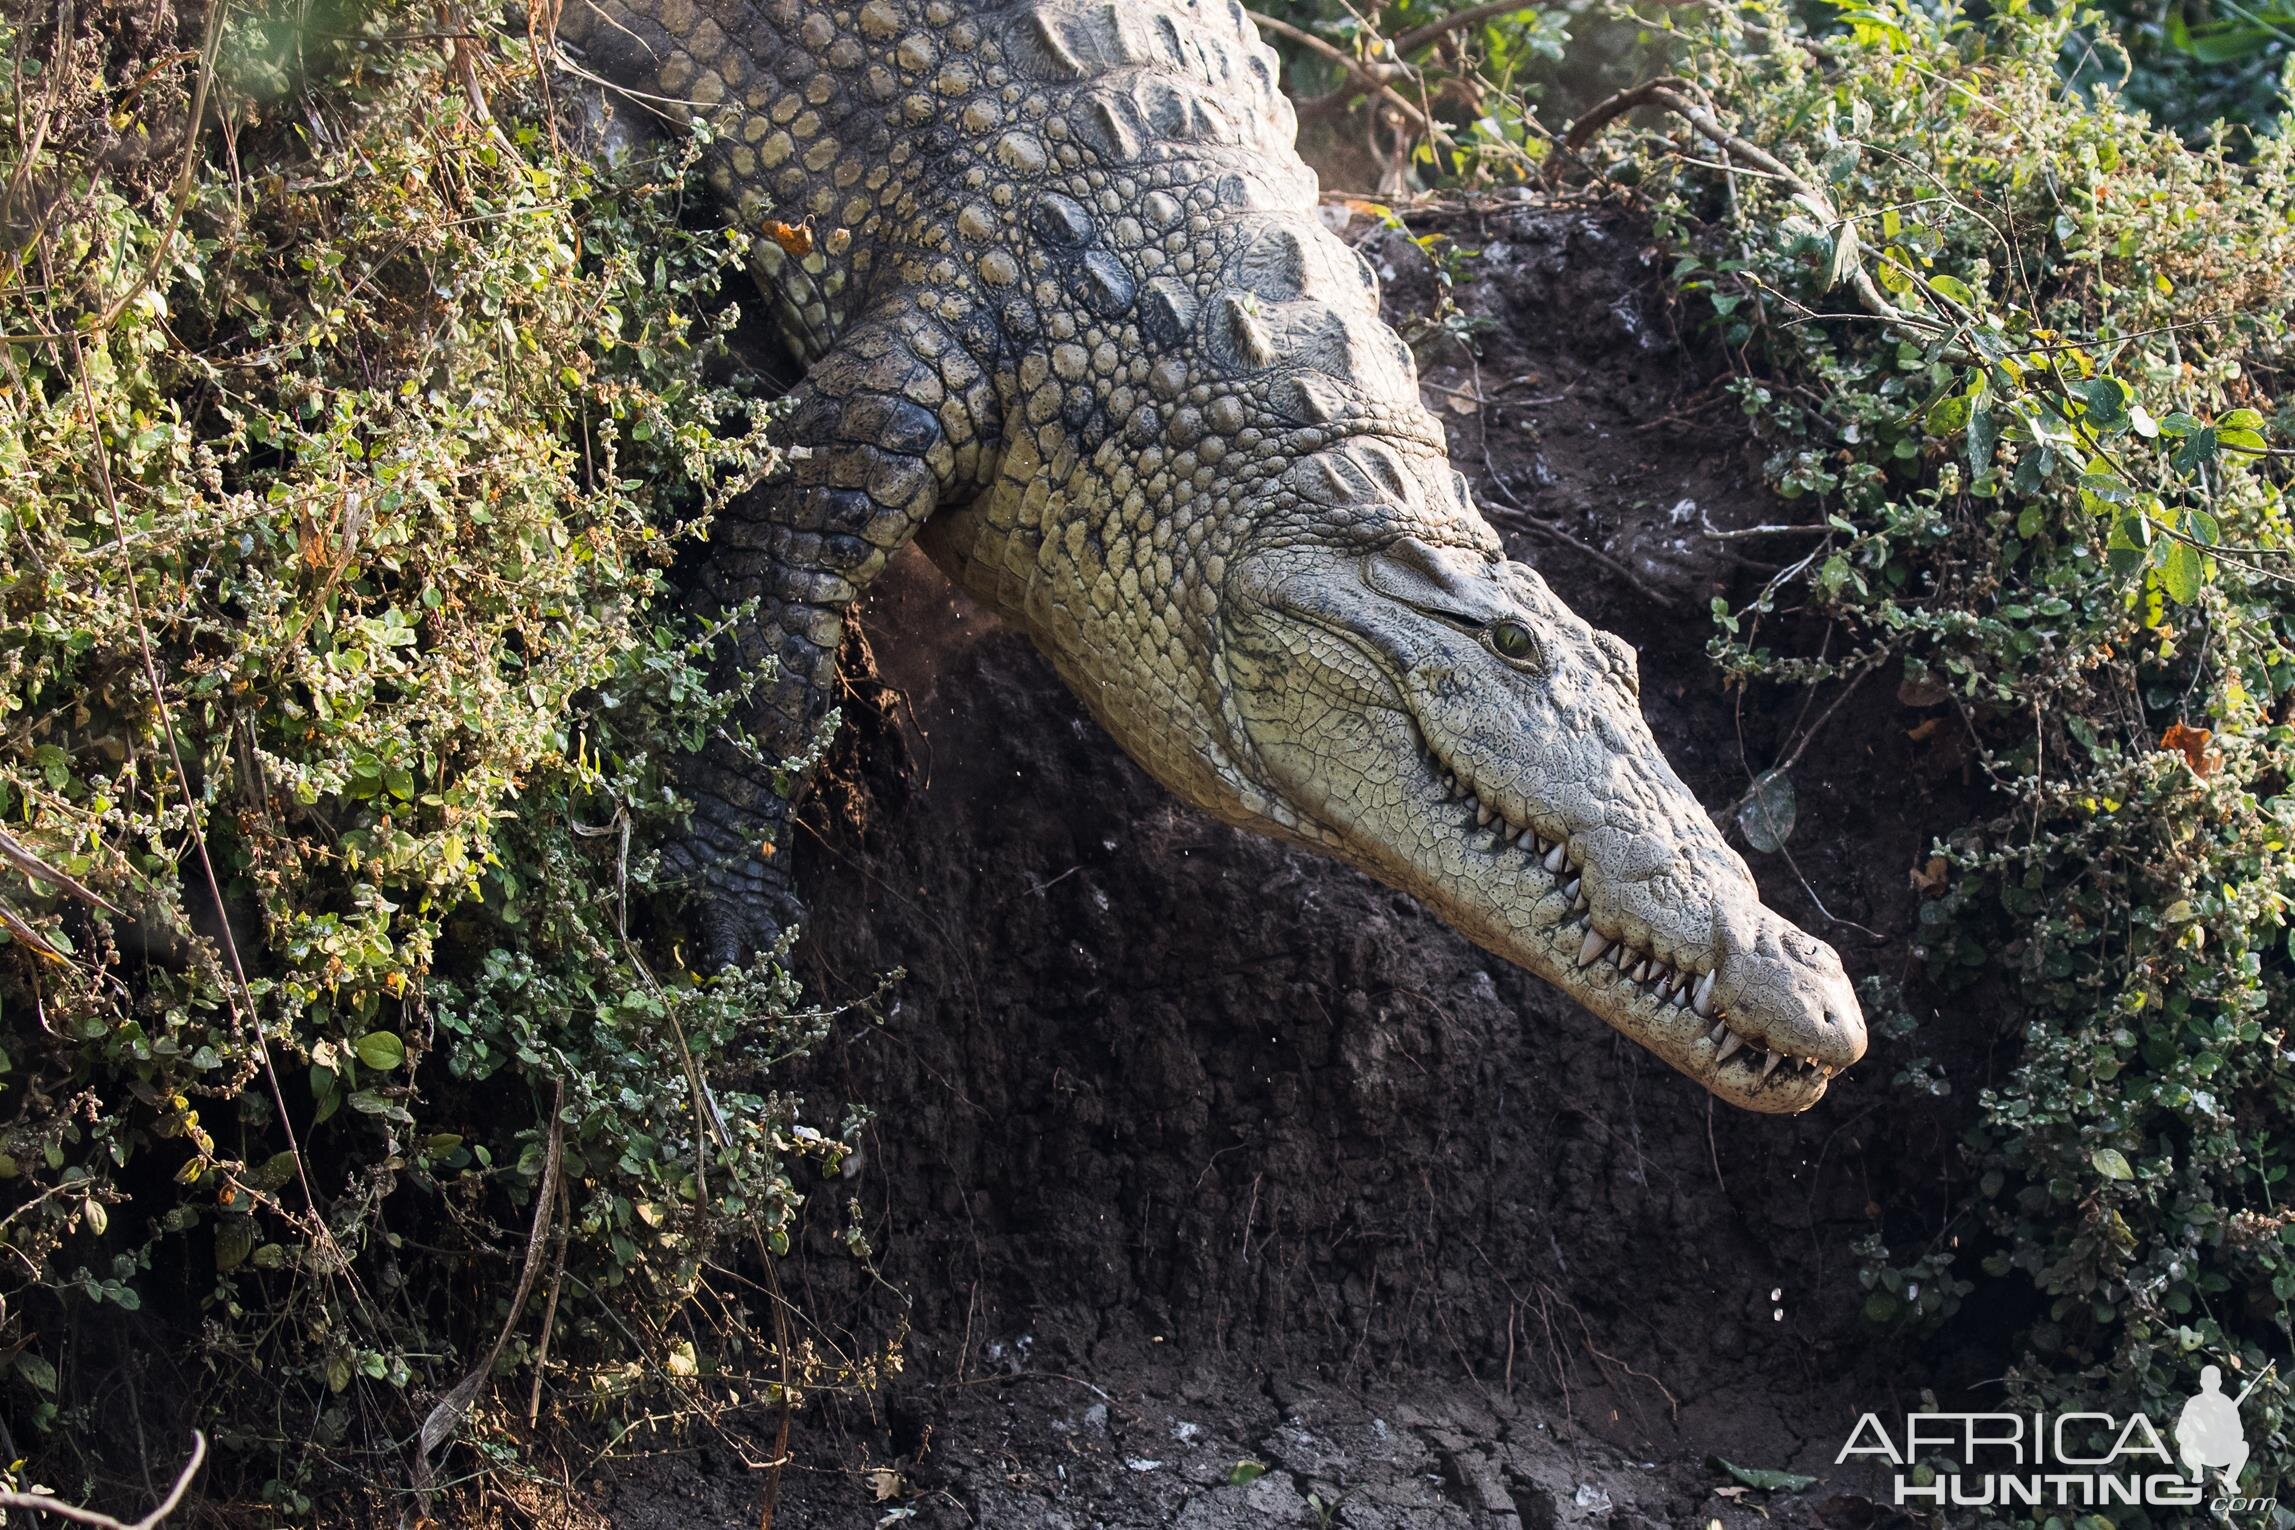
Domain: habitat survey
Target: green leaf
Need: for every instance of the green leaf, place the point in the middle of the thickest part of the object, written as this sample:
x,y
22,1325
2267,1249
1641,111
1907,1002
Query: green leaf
x,y
1983,437
1949,415
2225,42
273,1173
2106,398
36,1370
2130,529
2111,1163
1245,1471
234,1239
2198,447
1953,288
2182,572
1764,1478
380,1050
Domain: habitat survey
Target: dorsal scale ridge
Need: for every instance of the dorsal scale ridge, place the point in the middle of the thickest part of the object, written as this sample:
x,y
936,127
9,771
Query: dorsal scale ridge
x,y
1099,203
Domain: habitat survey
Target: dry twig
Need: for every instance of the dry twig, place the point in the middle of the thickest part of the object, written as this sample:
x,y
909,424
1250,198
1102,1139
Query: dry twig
x,y
1375,78
42,1503
447,1413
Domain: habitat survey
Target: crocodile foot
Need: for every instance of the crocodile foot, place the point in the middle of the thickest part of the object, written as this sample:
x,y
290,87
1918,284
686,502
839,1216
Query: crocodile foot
x,y
745,903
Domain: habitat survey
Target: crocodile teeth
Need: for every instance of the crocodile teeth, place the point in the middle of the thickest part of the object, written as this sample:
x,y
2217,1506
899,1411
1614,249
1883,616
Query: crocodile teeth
x,y
1596,944
1729,1048
1528,841
1642,973
1555,860
1681,998
1716,1034
1482,813
1450,785
1703,998
1570,888
1770,1066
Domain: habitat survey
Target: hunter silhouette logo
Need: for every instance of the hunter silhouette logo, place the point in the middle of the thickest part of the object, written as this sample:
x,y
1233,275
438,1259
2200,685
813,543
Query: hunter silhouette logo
x,y
2079,1460
2208,1434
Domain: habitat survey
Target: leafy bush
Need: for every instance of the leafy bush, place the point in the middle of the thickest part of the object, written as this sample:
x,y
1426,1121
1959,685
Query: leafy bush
x,y
2191,63
2025,358
2050,510
351,410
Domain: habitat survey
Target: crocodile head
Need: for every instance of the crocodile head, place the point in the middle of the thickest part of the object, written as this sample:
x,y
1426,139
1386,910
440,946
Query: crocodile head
x,y
1431,712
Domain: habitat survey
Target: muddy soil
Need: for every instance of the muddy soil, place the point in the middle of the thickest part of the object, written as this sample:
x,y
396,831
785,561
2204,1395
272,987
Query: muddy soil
x,y
1195,1155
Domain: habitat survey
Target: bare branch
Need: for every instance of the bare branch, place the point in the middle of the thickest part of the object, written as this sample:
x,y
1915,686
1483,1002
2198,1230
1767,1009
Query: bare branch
x,y
13,851
42,1503
1419,36
1409,42
1370,77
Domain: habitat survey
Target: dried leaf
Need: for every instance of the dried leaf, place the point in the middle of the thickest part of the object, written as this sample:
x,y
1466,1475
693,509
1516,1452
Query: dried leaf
x,y
1767,815
1927,691
1929,879
795,238
885,1483
2191,743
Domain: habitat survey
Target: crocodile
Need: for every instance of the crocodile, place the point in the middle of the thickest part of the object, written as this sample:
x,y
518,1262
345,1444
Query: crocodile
x,y
1069,320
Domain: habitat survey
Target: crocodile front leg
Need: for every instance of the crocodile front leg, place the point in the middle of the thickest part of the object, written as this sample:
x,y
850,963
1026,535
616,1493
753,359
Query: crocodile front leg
x,y
883,429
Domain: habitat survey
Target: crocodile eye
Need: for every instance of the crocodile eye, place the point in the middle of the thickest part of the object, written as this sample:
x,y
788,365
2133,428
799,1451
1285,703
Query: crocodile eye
x,y
1512,641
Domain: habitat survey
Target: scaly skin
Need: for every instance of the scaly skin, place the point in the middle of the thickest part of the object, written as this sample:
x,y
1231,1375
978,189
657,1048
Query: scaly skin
x,y
1070,318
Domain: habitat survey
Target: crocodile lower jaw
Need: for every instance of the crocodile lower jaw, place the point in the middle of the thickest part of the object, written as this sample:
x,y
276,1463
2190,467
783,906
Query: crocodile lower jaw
x,y
1665,1004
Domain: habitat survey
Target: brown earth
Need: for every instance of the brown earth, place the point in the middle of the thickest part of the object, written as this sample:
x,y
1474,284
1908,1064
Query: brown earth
x,y
1191,1150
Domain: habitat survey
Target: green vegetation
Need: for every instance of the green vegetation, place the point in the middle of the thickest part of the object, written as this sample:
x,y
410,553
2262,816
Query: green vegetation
x,y
2055,515
342,453
2024,358
352,407
2190,63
